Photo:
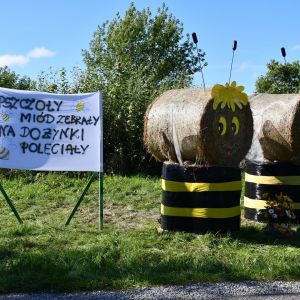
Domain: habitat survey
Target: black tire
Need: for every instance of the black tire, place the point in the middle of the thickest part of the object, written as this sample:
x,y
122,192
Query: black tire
x,y
219,209
254,191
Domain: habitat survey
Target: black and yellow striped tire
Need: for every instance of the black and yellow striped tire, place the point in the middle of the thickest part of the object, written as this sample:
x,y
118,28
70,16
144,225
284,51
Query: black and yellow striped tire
x,y
200,199
271,178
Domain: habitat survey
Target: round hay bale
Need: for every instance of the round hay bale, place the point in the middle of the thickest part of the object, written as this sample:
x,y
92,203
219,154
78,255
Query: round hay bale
x,y
276,128
200,199
187,125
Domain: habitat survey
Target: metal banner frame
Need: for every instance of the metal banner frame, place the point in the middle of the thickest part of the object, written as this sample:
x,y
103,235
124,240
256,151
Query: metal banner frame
x,y
85,190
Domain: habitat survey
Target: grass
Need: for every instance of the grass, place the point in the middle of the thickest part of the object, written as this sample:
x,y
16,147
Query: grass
x,y
45,255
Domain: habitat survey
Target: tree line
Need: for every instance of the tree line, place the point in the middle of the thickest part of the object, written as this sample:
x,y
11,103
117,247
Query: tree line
x,y
132,59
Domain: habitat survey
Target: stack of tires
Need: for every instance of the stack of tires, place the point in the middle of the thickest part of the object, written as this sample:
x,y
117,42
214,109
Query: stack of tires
x,y
269,179
200,199
273,161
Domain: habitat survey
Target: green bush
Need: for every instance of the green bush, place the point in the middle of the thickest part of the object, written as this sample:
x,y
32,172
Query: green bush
x,y
132,60
9,79
280,78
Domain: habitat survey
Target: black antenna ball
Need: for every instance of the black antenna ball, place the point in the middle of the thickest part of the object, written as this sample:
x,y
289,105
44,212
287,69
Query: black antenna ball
x,y
234,45
194,36
283,52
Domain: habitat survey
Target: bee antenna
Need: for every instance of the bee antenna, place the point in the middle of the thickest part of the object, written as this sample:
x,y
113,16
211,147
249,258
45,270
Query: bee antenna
x,y
195,40
234,47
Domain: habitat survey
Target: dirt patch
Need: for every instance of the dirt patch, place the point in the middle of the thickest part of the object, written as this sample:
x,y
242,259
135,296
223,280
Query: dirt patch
x,y
128,217
120,216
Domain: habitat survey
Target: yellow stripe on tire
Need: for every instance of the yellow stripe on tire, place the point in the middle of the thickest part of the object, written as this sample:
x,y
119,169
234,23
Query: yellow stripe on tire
x,y
280,180
261,204
175,186
215,213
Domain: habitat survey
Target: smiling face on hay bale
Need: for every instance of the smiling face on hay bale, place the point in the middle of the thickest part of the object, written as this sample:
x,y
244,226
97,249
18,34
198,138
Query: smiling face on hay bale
x,y
227,126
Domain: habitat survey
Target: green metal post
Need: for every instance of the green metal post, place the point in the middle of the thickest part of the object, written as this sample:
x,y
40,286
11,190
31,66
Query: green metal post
x,y
101,202
92,178
10,204
101,174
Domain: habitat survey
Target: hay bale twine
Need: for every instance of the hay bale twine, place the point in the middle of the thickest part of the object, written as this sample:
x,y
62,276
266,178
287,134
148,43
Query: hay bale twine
x,y
207,135
276,128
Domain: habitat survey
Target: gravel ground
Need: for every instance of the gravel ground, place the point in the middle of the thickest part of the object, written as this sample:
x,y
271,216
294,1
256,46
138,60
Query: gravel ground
x,y
221,290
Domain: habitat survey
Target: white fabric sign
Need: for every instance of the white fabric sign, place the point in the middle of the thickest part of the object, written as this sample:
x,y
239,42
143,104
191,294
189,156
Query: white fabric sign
x,y
53,132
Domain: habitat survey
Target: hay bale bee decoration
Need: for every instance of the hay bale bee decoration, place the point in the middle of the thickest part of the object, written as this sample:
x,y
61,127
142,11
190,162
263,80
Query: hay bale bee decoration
x,y
201,135
209,127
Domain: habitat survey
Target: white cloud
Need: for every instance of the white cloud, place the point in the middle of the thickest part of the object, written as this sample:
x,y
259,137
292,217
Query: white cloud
x,y
296,48
13,60
248,66
21,60
242,67
40,52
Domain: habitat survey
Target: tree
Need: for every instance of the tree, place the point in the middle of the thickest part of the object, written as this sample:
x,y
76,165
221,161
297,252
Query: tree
x,y
280,78
54,81
132,60
9,79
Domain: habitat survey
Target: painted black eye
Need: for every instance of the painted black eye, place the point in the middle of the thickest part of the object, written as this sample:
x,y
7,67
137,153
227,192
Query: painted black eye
x,y
222,126
235,125
233,128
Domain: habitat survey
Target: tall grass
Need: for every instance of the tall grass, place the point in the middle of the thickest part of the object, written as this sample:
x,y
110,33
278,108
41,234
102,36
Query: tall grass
x,y
45,255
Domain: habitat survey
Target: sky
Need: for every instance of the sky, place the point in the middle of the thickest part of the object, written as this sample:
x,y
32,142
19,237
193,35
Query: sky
x,y
36,35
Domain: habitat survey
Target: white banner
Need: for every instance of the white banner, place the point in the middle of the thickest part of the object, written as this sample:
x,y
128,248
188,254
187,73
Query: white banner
x,y
53,132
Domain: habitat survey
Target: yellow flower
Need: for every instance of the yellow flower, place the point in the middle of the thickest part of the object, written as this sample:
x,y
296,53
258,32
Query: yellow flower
x,y
230,95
